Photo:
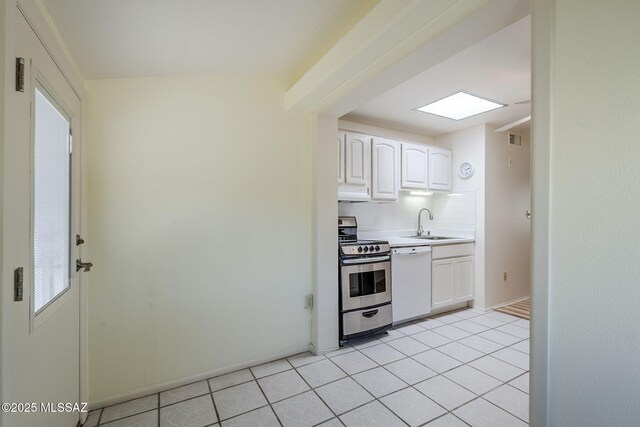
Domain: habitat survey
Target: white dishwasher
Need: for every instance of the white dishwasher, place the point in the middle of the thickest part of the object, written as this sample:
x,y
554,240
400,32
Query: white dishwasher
x,y
410,282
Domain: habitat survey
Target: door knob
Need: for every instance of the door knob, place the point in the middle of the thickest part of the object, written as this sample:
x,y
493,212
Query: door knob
x,y
84,266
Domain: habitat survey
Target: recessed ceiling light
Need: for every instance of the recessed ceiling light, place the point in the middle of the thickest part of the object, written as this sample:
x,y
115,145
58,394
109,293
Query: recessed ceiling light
x,y
460,106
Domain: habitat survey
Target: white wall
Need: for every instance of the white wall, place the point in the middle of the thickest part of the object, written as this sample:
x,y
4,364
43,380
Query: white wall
x,y
324,325
594,284
468,145
201,228
542,22
507,230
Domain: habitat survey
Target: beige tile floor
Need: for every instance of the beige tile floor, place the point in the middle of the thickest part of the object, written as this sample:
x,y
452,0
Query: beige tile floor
x,y
467,367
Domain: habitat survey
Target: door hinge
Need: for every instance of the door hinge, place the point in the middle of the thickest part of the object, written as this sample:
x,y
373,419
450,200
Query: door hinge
x,y
70,141
20,74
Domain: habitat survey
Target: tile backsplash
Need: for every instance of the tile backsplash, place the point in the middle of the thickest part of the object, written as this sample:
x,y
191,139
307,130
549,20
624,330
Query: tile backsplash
x,y
451,211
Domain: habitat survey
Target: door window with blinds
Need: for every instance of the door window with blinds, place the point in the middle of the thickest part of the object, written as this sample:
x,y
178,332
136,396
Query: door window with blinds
x,y
51,202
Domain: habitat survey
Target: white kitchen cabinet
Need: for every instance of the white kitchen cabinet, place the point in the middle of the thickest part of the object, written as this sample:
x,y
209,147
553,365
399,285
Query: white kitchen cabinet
x,y
463,284
341,165
442,283
385,169
439,169
414,166
357,170
358,158
452,275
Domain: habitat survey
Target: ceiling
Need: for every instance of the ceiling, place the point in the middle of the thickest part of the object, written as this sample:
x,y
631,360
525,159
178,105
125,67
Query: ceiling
x,y
497,68
133,38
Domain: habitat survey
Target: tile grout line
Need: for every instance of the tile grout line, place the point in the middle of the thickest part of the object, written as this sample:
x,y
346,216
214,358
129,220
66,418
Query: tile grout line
x,y
215,408
128,416
442,416
504,409
313,389
376,398
255,378
184,400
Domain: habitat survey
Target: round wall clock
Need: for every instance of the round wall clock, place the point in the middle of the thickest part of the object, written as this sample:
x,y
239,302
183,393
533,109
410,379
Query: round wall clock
x,y
465,170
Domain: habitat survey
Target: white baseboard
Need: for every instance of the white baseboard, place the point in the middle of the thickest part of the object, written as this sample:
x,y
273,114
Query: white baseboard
x,y
509,302
195,378
318,352
448,308
472,304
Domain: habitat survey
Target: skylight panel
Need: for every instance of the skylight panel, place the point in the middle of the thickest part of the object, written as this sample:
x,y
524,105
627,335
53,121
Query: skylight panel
x,y
460,106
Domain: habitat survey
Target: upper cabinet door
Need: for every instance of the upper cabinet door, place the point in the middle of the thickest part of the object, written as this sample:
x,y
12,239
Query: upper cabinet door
x,y
439,169
385,169
358,159
341,175
414,166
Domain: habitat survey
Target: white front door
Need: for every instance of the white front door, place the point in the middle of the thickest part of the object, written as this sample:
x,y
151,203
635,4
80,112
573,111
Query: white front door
x,y
42,176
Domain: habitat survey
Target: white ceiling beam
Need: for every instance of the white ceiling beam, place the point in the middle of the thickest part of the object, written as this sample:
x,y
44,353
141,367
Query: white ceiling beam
x,y
513,124
395,41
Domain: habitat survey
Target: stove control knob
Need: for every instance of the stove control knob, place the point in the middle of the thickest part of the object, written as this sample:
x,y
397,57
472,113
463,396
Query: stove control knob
x,y
359,248
371,248
377,248
366,249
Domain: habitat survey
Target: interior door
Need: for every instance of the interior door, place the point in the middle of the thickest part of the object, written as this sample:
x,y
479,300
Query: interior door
x,y
42,359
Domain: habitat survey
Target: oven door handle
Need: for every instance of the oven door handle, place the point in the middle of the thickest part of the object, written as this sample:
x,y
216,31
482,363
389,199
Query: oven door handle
x,y
365,260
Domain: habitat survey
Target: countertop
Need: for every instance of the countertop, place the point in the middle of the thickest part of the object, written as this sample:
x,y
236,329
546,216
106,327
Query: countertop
x,y
398,242
401,239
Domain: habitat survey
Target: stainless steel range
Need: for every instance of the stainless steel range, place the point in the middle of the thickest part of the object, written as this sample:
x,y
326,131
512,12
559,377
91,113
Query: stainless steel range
x,y
365,282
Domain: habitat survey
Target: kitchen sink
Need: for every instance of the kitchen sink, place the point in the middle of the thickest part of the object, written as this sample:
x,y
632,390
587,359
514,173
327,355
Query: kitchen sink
x,y
429,237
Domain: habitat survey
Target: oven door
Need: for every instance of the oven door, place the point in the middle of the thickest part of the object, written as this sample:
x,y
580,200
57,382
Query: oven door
x,y
365,283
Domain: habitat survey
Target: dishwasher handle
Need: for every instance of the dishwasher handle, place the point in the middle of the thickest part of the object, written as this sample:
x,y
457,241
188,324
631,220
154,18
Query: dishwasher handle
x,y
413,250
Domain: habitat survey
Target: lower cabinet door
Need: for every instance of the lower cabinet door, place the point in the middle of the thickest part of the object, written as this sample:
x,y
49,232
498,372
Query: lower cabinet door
x,y
451,281
464,278
442,282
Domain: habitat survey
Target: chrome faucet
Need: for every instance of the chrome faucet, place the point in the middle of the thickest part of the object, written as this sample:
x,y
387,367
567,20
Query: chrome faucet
x,y
420,229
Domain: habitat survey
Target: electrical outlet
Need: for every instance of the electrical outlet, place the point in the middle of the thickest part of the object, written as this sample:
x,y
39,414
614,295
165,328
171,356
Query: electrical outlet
x,y
504,276
308,301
